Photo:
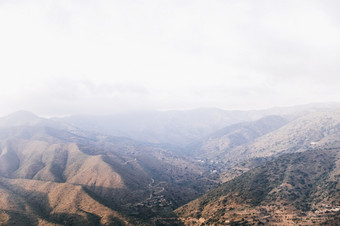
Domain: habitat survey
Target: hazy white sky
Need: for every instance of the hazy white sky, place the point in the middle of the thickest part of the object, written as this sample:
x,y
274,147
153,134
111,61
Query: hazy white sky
x,y
99,57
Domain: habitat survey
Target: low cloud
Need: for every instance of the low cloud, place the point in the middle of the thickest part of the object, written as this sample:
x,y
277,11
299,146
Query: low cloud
x,y
65,57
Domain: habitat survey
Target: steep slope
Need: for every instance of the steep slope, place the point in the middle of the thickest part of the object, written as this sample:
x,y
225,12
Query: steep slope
x,y
140,183
33,202
300,188
132,178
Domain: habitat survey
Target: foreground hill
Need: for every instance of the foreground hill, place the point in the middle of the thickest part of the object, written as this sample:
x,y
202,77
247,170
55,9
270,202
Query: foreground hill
x,y
300,188
33,202
56,173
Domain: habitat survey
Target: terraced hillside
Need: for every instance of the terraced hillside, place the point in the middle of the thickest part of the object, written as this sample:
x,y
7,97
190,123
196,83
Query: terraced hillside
x,y
300,188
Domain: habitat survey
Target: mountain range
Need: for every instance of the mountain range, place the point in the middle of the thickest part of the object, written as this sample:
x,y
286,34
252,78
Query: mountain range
x,y
205,166
180,128
117,173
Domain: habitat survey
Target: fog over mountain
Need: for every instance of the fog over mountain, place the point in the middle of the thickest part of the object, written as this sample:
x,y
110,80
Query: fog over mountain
x,y
54,172
104,57
180,128
178,112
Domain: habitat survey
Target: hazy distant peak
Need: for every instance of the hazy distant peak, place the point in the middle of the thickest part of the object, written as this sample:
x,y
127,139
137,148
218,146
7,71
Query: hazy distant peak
x,y
19,118
22,114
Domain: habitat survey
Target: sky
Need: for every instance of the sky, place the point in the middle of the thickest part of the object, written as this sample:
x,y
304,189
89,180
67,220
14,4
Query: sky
x,y
63,57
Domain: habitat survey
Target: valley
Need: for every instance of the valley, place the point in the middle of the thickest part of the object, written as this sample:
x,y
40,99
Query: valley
x,y
278,169
169,113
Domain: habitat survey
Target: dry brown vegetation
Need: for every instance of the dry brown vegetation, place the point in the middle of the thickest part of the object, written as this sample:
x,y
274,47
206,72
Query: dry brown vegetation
x,y
54,174
301,188
58,176
51,203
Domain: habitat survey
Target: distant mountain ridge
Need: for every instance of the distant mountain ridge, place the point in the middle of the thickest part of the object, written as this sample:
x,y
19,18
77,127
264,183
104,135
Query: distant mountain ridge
x,y
171,127
19,118
180,128
235,135
315,130
120,181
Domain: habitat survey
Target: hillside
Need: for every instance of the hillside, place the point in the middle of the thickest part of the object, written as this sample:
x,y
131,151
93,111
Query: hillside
x,y
315,130
129,182
300,188
235,135
319,129
33,202
139,181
